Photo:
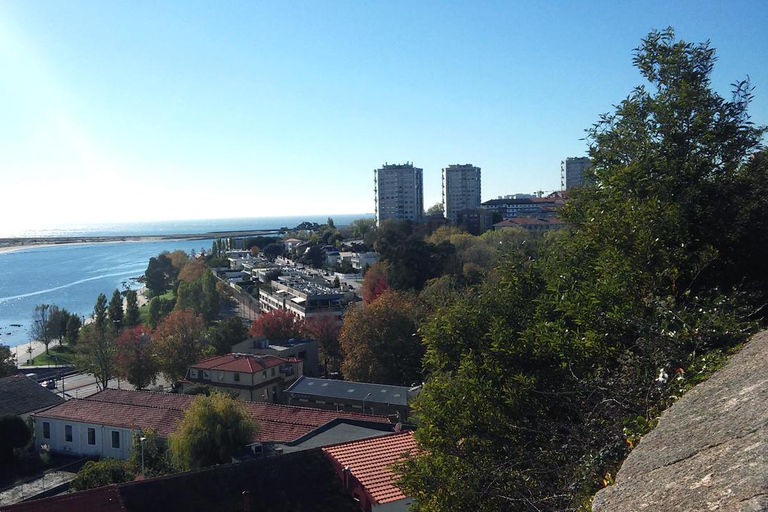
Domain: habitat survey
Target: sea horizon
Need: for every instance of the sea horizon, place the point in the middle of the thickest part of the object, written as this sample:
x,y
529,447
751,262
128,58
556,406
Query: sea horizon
x,y
173,227
71,276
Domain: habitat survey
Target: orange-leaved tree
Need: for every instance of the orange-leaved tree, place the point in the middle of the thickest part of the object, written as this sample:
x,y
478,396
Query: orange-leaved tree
x,y
180,340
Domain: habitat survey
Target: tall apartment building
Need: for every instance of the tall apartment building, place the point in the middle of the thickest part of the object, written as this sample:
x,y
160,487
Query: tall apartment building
x,y
572,171
399,192
461,190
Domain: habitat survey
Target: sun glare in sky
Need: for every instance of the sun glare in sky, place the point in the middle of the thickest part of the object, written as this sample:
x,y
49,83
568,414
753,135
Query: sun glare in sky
x,y
144,111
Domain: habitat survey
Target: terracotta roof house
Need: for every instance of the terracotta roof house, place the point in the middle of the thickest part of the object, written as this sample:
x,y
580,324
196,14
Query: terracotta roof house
x,y
365,467
20,396
303,481
103,424
252,377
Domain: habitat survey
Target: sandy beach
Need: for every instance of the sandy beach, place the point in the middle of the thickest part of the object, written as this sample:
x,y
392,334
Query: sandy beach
x,y
16,244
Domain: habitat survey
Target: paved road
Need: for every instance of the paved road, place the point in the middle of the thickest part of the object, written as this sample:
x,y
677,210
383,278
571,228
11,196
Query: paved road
x,y
82,385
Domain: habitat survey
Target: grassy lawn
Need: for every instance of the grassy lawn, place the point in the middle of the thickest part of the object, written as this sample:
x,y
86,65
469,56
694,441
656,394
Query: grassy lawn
x,y
144,310
63,355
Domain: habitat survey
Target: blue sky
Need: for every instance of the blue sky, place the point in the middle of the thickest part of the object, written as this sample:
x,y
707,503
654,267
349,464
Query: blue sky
x,y
130,110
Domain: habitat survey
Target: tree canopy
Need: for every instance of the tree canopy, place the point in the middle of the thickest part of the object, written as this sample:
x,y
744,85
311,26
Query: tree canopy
x,y
279,324
179,340
380,342
214,428
540,380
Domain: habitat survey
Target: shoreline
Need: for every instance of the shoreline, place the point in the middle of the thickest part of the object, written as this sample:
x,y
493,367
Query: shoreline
x,y
16,244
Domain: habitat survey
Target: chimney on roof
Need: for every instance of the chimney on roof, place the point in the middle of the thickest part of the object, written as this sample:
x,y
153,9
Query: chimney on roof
x,y
347,471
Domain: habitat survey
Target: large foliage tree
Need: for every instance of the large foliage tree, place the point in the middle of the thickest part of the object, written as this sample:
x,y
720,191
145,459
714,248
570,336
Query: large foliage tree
x,y
160,274
214,428
379,341
14,433
180,339
97,353
227,332
41,325
279,324
136,361
535,378
7,361
115,310
103,472
132,313
326,330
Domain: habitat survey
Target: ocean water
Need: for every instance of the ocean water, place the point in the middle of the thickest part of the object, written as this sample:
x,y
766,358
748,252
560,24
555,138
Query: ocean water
x,y
72,276
175,226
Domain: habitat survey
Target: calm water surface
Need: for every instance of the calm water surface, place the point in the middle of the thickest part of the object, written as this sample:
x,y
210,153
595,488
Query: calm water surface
x,y
72,276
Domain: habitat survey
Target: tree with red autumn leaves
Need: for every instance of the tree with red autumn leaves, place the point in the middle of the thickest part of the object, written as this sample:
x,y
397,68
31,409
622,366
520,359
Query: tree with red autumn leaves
x,y
279,324
136,361
376,281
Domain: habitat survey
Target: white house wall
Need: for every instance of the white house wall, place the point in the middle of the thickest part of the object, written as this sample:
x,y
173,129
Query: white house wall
x,y
79,444
394,506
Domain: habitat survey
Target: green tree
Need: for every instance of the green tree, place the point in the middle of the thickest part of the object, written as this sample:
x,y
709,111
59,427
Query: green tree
x,y
273,250
156,457
436,210
361,227
132,314
97,353
534,378
14,434
115,310
160,274
380,341
222,335
103,472
41,325
100,314
73,330
136,361
154,312
213,429
7,361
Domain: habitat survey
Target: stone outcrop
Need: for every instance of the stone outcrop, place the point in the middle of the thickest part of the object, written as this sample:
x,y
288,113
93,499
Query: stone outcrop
x,y
709,450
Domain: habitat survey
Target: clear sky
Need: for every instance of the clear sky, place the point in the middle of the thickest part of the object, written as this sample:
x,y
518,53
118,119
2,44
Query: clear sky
x,y
145,110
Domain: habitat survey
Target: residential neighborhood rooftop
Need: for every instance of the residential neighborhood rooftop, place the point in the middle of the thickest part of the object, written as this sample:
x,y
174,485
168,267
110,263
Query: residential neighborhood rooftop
x,y
163,412
371,393
243,363
370,461
19,395
304,481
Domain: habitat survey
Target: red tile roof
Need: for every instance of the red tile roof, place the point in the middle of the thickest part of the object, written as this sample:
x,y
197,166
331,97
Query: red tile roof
x,y
163,412
243,363
100,499
370,462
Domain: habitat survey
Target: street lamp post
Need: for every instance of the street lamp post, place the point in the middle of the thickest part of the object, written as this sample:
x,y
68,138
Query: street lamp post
x,y
142,439
364,399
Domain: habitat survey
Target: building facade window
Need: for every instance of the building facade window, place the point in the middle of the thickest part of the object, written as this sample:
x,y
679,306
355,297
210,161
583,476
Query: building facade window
x,y
237,377
46,430
91,436
68,433
115,439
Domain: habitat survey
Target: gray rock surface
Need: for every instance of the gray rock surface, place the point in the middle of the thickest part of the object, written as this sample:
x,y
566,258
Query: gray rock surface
x,y
709,450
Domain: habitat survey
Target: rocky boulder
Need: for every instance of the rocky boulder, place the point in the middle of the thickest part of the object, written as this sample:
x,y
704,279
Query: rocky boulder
x,y
709,450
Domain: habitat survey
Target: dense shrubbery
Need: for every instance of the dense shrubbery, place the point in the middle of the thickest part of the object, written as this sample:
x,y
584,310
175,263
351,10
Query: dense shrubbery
x,y
543,377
